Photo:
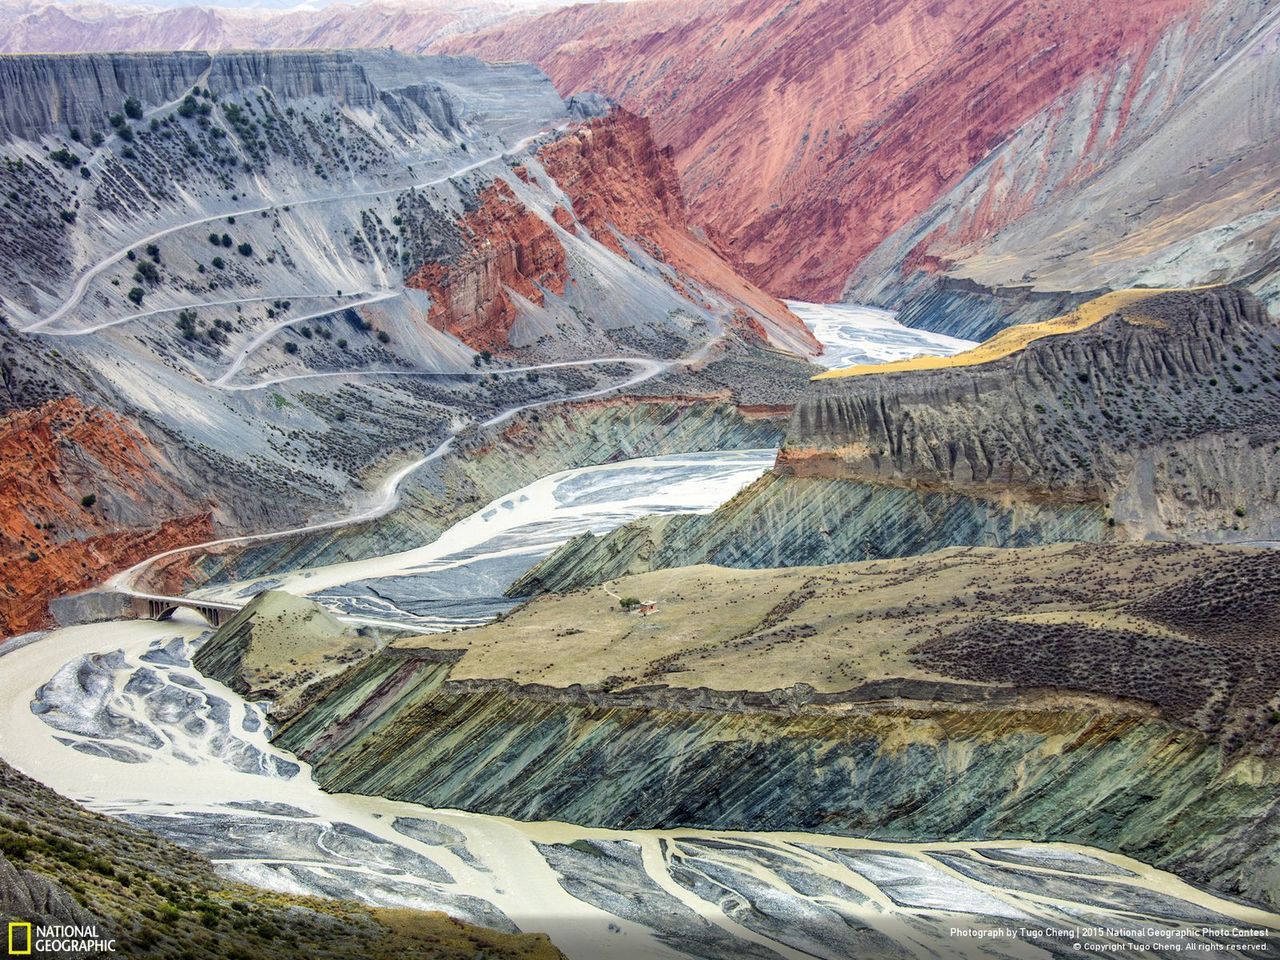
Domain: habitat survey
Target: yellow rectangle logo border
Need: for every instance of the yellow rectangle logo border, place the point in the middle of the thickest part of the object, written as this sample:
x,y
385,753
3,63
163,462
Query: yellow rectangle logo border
x,y
20,924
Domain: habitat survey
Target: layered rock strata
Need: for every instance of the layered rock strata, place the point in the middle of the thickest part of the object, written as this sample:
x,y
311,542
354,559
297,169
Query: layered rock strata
x,y
1158,420
83,493
1120,696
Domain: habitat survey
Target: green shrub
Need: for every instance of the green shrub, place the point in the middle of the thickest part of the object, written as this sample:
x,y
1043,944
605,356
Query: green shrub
x,y
64,158
147,272
136,295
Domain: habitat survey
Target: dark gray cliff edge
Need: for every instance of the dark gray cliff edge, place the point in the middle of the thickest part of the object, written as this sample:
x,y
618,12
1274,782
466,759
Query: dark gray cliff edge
x,y
1161,421
45,93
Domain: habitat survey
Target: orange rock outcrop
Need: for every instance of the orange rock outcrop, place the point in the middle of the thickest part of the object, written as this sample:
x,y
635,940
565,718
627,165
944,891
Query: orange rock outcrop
x,y
52,542
506,247
621,183
806,131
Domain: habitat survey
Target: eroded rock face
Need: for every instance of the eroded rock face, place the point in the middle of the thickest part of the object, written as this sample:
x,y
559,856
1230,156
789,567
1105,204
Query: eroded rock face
x,y
617,177
1066,202
689,758
505,247
42,92
1062,419
806,133
624,188
82,493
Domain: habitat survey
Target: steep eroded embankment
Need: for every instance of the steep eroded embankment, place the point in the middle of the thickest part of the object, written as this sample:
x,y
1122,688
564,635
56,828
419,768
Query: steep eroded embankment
x,y
1129,701
1160,419
83,493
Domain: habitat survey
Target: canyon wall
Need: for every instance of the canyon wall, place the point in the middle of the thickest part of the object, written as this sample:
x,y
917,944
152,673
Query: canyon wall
x,y
888,768
806,133
787,521
1171,186
1157,421
623,187
503,246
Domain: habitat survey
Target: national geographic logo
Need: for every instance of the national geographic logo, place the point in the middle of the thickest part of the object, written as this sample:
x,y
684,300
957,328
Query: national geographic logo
x,y
20,939
27,939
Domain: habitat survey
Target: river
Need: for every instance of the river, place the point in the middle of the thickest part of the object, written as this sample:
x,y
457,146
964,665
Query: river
x,y
115,716
853,334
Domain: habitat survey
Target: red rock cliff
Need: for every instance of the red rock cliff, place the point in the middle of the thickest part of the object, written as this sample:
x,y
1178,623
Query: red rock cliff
x,y
620,182
806,131
51,542
507,246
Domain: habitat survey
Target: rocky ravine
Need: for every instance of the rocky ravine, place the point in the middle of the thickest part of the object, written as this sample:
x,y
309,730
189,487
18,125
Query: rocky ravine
x,y
798,130
1159,420
1124,705
368,251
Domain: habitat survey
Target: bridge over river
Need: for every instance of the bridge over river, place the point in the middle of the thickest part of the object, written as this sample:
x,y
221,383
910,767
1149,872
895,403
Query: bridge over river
x,y
155,607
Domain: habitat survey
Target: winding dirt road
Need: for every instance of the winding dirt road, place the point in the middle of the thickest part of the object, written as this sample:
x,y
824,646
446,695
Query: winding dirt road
x,y
82,282
387,497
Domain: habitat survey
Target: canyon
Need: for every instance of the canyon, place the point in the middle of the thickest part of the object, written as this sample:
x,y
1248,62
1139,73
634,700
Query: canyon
x,y
1111,425
256,809
1035,194
578,577
270,284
